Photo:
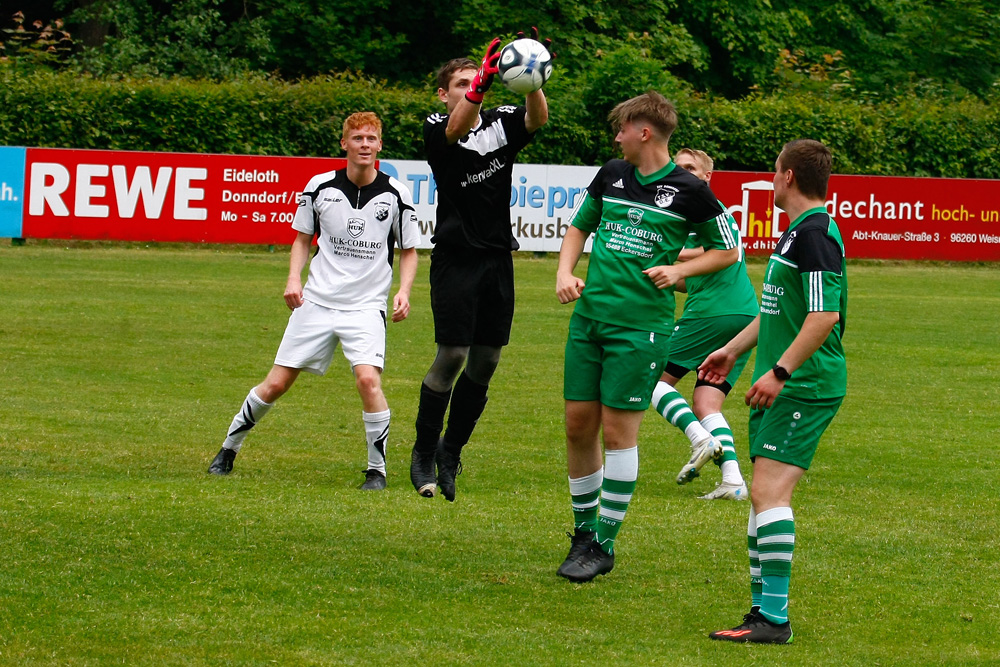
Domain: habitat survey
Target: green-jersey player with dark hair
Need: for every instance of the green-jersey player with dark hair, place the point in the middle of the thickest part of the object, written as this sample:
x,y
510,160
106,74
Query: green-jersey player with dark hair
x,y
799,380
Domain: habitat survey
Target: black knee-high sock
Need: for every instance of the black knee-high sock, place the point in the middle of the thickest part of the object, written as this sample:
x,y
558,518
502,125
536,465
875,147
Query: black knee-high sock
x,y
430,417
467,403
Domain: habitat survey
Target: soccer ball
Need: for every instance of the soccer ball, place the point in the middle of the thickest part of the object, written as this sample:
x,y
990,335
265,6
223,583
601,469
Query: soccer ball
x,y
525,65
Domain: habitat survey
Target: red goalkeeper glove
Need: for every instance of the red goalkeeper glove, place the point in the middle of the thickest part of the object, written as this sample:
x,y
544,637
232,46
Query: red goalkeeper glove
x,y
547,43
484,76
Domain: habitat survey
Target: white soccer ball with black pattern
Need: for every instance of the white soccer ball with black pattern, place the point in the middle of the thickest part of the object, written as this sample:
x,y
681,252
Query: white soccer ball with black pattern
x,y
525,65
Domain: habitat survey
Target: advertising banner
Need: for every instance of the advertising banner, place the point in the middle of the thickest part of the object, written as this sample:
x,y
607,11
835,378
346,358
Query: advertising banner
x,y
542,199
11,191
135,196
879,217
138,196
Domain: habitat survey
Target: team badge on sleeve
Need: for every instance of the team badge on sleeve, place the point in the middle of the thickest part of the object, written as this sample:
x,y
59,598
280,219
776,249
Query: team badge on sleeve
x,y
788,242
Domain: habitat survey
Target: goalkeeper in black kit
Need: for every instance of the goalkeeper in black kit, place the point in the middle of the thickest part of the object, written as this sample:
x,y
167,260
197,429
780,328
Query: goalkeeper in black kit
x,y
471,152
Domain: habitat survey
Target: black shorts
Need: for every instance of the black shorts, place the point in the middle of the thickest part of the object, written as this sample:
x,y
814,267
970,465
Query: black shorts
x,y
472,296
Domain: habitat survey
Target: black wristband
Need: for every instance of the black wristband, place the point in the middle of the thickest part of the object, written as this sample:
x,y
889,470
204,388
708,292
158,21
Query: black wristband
x,y
780,372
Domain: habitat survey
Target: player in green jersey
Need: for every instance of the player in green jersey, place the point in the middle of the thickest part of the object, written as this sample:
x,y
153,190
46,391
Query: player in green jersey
x,y
718,306
799,380
640,211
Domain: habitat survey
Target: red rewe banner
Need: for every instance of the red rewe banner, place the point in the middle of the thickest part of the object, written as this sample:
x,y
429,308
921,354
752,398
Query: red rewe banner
x,y
880,217
138,196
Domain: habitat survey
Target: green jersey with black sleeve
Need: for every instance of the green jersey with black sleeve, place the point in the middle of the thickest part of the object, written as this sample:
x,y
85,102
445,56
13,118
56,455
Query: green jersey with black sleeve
x,y
725,292
807,273
639,222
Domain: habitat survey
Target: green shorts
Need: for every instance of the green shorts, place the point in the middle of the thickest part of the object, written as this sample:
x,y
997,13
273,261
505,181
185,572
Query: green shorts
x,y
789,430
615,365
697,337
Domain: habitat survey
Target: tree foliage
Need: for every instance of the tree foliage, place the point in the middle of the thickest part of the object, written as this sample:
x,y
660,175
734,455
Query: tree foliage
x,y
858,49
919,137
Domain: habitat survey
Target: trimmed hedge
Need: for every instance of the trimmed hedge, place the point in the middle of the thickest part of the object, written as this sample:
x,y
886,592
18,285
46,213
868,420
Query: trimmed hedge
x,y
913,137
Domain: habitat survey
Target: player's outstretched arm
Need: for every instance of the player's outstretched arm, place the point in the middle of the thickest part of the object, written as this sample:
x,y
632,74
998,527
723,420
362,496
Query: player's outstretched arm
x,y
297,262
568,286
535,103
407,273
465,114
537,110
717,365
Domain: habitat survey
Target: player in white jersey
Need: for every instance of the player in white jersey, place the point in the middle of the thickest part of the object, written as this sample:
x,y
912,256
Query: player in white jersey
x,y
357,215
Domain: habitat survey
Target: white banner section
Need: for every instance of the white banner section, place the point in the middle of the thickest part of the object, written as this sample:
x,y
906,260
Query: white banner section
x,y
542,200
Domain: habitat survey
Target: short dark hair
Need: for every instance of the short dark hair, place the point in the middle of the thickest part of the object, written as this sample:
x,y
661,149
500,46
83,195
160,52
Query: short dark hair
x,y
651,107
452,66
810,161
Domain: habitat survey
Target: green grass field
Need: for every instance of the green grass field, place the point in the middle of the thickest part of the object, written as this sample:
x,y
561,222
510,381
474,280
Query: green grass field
x,y
121,367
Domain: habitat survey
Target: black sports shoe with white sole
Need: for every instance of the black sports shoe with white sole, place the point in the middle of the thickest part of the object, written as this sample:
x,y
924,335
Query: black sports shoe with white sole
x,y
422,473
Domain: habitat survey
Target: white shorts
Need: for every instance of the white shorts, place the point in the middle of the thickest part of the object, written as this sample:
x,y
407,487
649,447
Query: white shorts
x,y
313,332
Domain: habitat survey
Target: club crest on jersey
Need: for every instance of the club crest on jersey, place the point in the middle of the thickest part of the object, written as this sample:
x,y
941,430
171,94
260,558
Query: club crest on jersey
x,y
635,216
355,226
381,211
664,195
788,242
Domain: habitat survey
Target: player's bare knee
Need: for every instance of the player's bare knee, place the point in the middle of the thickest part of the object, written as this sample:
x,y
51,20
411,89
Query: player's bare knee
x,y
367,380
274,387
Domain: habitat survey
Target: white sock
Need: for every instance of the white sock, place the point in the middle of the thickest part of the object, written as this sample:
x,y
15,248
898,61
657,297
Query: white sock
x,y
718,426
376,434
251,412
695,432
731,473
622,464
580,485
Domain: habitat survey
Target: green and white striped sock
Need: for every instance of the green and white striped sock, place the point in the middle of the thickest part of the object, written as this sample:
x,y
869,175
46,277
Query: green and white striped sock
x,y
669,403
585,495
621,470
775,544
718,426
756,583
